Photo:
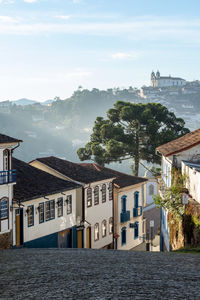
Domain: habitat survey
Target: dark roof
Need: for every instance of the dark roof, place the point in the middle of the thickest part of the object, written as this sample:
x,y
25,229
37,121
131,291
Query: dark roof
x,y
33,183
183,143
74,171
8,139
121,180
169,77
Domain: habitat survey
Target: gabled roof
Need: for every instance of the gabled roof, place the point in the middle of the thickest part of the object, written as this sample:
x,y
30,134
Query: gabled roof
x,y
33,183
5,139
183,143
121,180
74,171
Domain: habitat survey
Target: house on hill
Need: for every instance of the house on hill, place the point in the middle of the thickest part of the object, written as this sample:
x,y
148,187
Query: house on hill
x,y
97,214
7,181
44,209
166,81
174,153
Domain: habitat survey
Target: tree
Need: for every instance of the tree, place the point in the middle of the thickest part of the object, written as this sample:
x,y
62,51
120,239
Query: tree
x,y
132,131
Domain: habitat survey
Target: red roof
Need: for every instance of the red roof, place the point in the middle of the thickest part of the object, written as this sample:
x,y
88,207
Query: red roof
x,y
183,143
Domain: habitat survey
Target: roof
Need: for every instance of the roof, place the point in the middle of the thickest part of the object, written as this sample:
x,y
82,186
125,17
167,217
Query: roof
x,y
33,183
74,171
193,165
169,77
183,143
4,139
121,180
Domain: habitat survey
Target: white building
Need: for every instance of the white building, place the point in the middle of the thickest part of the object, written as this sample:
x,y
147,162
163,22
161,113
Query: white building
x,y
192,172
7,180
97,214
166,81
44,209
185,148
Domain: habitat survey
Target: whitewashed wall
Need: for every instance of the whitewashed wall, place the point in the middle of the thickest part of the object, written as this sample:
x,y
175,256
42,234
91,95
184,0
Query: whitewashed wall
x,y
148,197
47,227
130,241
98,213
192,181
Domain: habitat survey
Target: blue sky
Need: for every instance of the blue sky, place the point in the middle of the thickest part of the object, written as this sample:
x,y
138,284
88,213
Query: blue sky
x,y
50,47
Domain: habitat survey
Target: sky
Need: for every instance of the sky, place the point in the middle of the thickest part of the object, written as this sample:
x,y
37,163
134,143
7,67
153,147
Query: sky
x,y
49,48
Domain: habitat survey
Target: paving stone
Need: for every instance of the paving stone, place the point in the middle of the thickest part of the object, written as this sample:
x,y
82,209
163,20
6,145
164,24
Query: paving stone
x,y
97,274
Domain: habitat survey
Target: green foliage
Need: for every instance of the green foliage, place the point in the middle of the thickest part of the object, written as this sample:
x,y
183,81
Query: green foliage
x,y
132,131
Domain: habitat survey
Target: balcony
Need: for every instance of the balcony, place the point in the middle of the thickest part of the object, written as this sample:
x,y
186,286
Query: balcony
x,y
7,177
137,211
125,216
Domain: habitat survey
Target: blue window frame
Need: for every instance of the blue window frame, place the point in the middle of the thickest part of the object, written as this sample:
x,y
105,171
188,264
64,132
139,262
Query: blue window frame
x,y
4,208
49,210
52,209
136,199
69,204
30,215
123,203
41,212
123,235
136,230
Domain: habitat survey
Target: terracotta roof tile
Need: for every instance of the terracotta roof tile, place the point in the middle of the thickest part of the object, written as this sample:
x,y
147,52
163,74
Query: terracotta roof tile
x,y
183,143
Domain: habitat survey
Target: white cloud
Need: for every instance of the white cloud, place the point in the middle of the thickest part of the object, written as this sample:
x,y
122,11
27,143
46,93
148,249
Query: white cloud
x,y
78,73
123,55
8,19
63,17
30,1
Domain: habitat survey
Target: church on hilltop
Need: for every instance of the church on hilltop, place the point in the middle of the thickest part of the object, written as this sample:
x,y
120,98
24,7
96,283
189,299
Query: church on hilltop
x,y
165,81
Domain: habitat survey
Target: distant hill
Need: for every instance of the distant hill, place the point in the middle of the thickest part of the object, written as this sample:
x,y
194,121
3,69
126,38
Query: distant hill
x,y
24,101
47,102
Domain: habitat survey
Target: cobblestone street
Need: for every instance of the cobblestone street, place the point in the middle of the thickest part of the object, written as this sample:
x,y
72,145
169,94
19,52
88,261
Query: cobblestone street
x,y
97,274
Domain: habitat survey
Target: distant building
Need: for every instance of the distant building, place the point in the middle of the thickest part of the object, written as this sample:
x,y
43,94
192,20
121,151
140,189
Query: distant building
x,y
166,81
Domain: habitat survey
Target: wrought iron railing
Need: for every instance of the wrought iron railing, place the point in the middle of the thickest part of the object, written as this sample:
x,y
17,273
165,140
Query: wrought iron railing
x,y
7,176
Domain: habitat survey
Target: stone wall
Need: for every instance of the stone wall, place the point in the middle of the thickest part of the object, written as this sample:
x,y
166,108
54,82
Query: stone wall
x,y
6,240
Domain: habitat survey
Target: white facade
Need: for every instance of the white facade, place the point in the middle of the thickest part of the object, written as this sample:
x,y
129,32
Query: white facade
x,y
131,240
192,173
56,224
7,180
150,191
166,81
100,215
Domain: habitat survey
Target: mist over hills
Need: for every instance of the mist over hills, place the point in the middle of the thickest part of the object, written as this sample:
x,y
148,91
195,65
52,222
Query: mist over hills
x,y
61,126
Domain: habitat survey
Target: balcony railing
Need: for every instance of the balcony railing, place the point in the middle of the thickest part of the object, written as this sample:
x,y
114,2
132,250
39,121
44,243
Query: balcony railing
x,y
137,211
125,216
7,176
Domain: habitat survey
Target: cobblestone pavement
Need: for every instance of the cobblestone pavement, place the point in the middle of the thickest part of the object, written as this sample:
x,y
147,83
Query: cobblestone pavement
x,y
97,274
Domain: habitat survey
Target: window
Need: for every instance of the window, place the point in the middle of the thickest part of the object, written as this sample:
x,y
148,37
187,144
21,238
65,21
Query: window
x,y
49,210
96,195
111,225
123,204
60,206
110,191
30,214
41,212
123,236
89,197
136,230
69,204
103,193
6,159
103,228
96,232
4,208
136,199
151,189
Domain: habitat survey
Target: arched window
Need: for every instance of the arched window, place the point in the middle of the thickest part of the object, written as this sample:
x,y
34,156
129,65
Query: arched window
x,y
96,195
111,225
4,208
110,187
96,232
103,193
123,236
151,189
103,228
89,197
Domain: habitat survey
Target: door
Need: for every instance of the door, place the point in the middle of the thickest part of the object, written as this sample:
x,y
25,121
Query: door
x,y
88,233
19,232
80,239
